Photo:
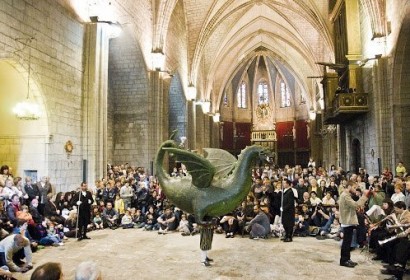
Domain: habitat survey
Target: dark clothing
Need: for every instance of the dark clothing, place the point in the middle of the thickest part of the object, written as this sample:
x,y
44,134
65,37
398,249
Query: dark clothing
x,y
109,194
288,214
50,211
170,226
347,241
37,217
11,213
84,211
301,189
260,225
110,214
32,191
72,228
275,202
44,191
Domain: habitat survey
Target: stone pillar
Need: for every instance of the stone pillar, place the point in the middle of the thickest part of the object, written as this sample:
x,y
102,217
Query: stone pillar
x,y
200,127
388,139
191,118
215,130
94,107
157,110
354,42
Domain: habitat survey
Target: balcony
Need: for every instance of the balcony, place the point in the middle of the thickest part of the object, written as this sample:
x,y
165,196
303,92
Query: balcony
x,y
265,138
346,107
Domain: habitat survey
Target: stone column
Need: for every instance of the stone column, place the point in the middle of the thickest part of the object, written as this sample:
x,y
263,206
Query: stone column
x,y
96,47
191,119
354,42
200,127
157,110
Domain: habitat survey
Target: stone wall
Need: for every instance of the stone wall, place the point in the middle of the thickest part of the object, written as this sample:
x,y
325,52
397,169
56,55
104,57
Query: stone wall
x,y
128,95
56,66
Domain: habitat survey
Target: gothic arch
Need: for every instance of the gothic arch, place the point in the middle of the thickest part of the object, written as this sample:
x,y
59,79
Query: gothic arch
x,y
401,94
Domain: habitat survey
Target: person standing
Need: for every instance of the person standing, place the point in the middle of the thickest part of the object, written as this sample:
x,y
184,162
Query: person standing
x,y
44,188
288,210
83,199
400,169
348,220
31,191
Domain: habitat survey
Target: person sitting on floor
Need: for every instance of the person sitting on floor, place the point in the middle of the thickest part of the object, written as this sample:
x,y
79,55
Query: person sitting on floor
x,y
110,216
126,221
259,227
184,226
167,221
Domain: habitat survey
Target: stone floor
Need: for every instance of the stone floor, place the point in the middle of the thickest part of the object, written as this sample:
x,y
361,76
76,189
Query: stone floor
x,y
137,254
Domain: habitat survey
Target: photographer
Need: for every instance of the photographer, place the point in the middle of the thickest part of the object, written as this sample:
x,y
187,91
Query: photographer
x,y
320,215
376,196
314,200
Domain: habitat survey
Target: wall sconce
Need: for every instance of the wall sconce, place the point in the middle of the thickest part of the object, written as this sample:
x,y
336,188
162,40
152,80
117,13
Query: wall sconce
x,y
114,28
206,107
363,62
158,59
216,117
312,114
191,92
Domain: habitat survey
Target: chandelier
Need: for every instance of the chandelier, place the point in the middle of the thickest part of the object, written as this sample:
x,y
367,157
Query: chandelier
x,y
27,109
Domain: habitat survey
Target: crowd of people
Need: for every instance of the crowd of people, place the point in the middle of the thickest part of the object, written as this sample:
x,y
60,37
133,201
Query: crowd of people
x,y
282,202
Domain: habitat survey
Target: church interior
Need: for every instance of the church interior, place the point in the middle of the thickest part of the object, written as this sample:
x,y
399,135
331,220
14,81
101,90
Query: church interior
x,y
96,82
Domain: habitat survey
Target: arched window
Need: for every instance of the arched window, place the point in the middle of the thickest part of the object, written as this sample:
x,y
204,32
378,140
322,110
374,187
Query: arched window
x,y
263,97
225,99
284,95
241,95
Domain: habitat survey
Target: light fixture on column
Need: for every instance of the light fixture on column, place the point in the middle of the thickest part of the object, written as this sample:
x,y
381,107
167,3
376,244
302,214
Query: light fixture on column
x,y
216,117
27,109
158,59
206,106
114,28
191,92
312,114
364,61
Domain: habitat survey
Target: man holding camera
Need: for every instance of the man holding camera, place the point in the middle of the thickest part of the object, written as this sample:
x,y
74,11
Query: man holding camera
x,y
348,220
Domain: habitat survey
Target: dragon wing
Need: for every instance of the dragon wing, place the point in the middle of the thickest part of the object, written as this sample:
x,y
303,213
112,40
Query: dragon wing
x,y
223,161
201,169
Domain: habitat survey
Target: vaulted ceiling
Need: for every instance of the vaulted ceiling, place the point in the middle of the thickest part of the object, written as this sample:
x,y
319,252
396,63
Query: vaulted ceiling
x,y
223,35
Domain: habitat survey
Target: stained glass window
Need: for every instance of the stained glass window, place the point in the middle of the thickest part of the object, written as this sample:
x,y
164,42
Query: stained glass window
x,y
241,95
284,95
263,97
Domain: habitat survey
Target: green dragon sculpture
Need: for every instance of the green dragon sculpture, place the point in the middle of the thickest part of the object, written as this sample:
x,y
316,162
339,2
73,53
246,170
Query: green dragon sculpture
x,y
216,184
